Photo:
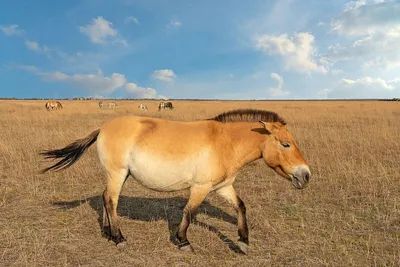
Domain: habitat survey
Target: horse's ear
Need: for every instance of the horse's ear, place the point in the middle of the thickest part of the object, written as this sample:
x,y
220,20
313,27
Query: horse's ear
x,y
267,126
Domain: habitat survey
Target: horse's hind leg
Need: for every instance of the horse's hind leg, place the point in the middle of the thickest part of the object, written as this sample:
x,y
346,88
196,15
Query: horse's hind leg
x,y
111,227
231,196
197,194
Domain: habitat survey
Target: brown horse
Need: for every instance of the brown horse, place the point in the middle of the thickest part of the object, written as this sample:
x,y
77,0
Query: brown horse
x,y
50,105
164,105
202,155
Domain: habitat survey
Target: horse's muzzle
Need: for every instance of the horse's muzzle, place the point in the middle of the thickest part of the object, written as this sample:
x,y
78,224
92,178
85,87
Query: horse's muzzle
x,y
300,177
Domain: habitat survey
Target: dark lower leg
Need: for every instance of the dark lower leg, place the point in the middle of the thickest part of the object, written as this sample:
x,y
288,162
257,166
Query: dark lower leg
x,y
230,195
243,230
181,233
197,194
110,220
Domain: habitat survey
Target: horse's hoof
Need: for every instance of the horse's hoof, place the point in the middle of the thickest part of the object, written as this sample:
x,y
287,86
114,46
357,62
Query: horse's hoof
x,y
187,248
119,239
121,245
106,232
243,247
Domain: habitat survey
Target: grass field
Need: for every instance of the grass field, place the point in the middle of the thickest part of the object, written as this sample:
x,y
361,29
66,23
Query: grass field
x,y
348,216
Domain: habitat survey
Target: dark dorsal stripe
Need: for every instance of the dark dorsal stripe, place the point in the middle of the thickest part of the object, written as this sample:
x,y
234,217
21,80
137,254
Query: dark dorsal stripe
x,y
248,115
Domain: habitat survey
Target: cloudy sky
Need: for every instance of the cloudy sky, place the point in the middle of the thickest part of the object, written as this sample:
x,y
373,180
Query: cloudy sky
x,y
228,49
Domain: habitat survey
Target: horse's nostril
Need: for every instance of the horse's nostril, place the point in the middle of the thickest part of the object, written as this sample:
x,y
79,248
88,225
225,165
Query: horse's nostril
x,y
307,177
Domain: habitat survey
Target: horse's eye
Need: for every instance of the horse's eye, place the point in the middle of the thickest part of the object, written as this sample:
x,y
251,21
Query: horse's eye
x,y
285,144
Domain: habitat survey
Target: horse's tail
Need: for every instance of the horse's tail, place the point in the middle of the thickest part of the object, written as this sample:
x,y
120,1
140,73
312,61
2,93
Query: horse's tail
x,y
69,154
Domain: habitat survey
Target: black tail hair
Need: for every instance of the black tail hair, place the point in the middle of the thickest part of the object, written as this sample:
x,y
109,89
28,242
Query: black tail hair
x,y
69,154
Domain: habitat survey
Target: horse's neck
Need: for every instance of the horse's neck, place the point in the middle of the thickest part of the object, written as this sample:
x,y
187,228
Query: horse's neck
x,y
241,143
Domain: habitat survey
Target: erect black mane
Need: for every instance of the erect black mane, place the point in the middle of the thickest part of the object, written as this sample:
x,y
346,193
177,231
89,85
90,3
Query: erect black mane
x,y
248,115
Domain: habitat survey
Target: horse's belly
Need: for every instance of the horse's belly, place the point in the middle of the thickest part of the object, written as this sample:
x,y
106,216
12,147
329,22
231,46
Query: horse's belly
x,y
161,181
166,174
161,176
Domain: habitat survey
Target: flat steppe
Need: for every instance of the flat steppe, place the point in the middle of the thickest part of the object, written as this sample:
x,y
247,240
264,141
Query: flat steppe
x,y
348,216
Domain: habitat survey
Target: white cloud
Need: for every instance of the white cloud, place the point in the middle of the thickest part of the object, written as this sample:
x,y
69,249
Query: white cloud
x,y
93,83
55,76
366,87
298,51
140,92
77,60
132,19
378,50
365,17
166,75
175,23
31,45
100,31
277,92
36,47
378,24
11,30
368,81
279,79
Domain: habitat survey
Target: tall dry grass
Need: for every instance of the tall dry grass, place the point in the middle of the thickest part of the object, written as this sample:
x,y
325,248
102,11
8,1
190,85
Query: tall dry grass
x,y
348,216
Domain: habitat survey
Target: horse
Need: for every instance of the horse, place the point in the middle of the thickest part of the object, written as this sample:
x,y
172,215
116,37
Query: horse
x,y
101,104
50,105
143,107
164,105
112,105
202,156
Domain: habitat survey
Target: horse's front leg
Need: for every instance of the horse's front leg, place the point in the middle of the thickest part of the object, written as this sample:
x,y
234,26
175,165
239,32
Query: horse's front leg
x,y
197,194
231,196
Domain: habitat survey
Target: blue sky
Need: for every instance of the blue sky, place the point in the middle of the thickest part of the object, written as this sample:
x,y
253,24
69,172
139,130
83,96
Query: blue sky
x,y
228,49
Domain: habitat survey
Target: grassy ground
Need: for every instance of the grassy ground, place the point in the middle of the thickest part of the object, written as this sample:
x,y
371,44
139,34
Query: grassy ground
x,y
348,216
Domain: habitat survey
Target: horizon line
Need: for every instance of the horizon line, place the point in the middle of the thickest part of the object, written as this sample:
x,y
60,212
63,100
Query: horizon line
x,y
200,99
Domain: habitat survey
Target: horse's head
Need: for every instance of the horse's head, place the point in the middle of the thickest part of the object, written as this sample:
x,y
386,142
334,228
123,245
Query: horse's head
x,y
281,152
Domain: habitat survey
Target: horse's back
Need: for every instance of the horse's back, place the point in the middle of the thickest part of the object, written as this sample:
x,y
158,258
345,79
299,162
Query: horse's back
x,y
154,132
169,139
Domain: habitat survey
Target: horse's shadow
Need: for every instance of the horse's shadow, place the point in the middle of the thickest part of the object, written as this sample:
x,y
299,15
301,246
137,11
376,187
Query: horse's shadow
x,y
152,209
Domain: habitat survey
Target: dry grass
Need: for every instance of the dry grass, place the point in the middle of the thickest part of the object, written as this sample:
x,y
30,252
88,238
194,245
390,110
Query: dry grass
x,y
348,216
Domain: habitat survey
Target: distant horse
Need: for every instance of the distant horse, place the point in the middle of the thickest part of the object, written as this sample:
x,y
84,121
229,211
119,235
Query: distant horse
x,y
101,104
112,105
203,155
164,105
143,107
51,105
